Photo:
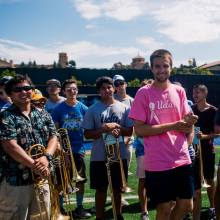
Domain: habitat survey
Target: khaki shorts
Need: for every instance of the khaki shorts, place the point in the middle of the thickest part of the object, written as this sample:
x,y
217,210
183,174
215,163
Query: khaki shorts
x,y
20,202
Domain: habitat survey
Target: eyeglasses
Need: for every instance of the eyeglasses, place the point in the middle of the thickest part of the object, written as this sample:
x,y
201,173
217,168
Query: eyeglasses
x,y
118,83
20,89
71,88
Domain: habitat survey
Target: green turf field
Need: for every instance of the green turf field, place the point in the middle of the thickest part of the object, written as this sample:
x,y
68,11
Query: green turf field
x,y
132,211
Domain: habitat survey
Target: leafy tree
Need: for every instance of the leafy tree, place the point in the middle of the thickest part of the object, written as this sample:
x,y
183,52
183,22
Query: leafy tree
x,y
134,83
34,64
54,64
22,64
72,63
7,72
79,82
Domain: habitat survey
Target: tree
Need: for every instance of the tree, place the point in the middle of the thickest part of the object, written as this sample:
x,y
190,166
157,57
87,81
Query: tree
x,y
54,64
22,64
34,64
134,83
72,63
7,73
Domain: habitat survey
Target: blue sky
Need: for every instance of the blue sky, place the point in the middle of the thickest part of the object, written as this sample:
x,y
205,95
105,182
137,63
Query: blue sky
x,y
98,33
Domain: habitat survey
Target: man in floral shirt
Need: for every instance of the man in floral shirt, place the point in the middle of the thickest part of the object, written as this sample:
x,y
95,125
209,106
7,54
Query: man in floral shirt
x,y
22,126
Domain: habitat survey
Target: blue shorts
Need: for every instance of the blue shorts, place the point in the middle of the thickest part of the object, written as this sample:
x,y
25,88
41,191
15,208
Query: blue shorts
x,y
165,186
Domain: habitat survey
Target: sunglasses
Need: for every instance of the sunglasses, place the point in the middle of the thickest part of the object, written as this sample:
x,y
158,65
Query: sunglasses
x,y
119,83
20,89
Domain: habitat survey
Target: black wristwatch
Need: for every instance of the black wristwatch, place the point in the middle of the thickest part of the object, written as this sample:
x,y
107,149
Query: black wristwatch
x,y
49,157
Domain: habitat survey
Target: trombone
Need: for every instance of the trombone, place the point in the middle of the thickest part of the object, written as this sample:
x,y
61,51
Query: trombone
x,y
113,155
197,143
53,211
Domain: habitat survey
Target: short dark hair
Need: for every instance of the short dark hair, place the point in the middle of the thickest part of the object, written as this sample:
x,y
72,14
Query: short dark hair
x,y
202,88
68,81
103,79
19,78
161,53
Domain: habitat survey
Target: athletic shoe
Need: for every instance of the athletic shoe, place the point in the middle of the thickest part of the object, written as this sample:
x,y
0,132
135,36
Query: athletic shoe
x,y
144,216
212,213
80,212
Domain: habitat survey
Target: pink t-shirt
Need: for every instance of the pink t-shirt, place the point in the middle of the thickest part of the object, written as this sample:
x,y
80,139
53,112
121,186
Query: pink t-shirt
x,y
156,106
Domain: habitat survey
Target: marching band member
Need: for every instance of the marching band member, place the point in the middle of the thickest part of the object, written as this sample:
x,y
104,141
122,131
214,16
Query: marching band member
x,y
217,191
206,135
162,116
53,90
107,116
69,114
22,126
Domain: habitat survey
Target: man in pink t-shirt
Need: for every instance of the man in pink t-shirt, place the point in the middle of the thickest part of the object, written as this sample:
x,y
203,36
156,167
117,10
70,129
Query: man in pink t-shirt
x,y
162,116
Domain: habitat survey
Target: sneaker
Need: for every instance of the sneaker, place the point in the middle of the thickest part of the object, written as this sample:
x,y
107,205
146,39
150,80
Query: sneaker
x,y
80,212
144,216
212,213
124,202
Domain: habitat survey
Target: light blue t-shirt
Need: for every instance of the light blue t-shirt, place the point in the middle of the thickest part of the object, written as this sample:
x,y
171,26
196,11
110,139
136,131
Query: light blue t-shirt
x,y
71,117
100,113
50,106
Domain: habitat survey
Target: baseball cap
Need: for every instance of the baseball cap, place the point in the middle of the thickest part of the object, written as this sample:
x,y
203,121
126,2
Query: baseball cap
x,y
53,82
37,97
5,79
118,77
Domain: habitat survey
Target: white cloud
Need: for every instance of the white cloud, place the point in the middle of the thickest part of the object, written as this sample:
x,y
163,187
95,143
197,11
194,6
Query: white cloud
x,y
122,10
85,53
87,9
149,43
185,21
188,21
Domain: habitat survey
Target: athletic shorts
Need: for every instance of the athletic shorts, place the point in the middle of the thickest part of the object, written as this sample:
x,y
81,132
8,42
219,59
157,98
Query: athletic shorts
x,y
165,186
99,178
140,172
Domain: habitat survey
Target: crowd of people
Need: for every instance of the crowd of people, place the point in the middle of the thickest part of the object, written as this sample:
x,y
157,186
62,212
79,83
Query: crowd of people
x,y
173,137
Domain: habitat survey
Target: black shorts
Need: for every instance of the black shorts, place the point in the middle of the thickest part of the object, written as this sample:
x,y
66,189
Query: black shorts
x,y
99,178
197,173
165,186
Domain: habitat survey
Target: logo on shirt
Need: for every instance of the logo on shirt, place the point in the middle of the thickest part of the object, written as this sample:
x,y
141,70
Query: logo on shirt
x,y
159,105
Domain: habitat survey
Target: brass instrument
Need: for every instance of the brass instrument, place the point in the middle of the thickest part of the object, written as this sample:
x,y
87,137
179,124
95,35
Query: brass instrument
x,y
66,146
113,155
203,181
53,211
67,168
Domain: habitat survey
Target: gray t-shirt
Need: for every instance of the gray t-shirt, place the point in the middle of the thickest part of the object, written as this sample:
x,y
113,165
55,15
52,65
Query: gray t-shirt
x,y
127,101
50,106
100,113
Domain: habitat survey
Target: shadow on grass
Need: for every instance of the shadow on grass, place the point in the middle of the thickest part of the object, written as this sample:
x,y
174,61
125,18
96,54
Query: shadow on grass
x,y
132,208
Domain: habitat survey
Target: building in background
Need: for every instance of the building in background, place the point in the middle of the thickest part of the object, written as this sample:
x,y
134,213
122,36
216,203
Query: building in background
x,y
63,60
4,63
